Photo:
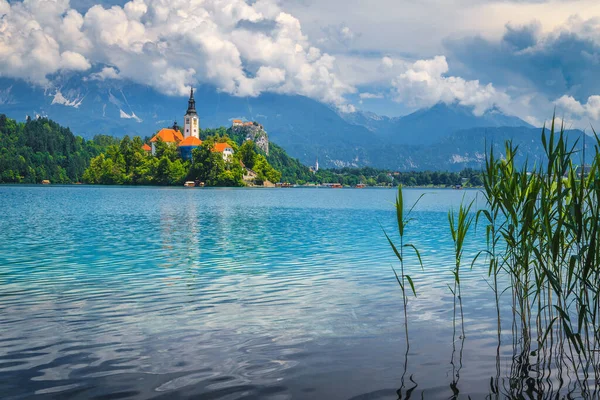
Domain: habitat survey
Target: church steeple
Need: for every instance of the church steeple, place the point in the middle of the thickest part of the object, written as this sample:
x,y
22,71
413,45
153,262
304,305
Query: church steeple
x,y
191,103
191,121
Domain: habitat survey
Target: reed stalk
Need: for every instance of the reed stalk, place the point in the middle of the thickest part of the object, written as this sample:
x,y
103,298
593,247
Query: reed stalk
x,y
543,249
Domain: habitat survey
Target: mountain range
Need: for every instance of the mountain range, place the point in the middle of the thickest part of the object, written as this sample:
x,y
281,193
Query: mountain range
x,y
442,137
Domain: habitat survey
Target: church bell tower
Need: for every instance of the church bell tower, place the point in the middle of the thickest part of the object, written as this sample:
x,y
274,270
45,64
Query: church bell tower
x,y
191,124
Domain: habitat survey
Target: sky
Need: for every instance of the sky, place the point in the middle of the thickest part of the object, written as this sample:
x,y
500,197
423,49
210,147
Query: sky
x,y
390,57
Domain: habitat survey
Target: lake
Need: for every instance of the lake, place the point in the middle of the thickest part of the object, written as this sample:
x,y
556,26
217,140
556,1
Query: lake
x,y
134,292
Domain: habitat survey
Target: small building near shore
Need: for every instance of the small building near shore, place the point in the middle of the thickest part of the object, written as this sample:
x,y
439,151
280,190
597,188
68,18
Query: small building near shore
x,y
225,149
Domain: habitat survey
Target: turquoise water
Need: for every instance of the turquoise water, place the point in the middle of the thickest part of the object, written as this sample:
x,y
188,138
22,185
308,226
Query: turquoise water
x,y
115,292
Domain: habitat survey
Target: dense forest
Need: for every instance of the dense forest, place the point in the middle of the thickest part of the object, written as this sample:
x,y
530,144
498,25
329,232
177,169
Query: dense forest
x,y
41,149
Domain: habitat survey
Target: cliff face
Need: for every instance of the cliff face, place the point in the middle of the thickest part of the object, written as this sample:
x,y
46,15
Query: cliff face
x,y
256,133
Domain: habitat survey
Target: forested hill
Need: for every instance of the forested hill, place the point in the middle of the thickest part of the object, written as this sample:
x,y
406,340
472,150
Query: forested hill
x,y
292,170
42,149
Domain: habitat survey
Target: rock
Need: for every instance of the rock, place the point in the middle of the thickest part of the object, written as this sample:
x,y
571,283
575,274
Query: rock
x,y
255,132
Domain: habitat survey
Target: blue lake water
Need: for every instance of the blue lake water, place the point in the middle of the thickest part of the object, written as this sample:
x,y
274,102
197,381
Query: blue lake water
x,y
116,292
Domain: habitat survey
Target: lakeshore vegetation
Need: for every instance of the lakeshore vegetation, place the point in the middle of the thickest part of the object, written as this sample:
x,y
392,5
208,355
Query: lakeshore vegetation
x,y
543,261
40,149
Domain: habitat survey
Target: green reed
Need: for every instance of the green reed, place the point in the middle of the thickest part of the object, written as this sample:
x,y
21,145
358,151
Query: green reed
x,y
402,220
543,251
459,227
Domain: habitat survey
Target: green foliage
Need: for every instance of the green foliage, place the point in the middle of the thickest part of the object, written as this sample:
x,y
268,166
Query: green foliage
x,y
377,177
210,167
292,170
543,248
403,219
248,153
265,171
41,149
127,164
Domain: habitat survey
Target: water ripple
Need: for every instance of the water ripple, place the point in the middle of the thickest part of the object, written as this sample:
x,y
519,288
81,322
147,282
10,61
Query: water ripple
x,y
161,293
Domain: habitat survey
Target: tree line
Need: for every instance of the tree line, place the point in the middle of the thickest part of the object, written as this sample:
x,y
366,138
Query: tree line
x,y
40,149
377,177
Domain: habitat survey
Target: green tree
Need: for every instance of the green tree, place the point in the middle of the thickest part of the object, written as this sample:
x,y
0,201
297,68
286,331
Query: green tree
x,y
247,153
264,170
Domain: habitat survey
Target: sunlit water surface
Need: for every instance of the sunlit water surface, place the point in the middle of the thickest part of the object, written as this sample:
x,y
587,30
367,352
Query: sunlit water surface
x,y
113,292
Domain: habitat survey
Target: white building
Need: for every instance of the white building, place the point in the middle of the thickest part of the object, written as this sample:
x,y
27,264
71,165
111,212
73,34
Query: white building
x,y
225,149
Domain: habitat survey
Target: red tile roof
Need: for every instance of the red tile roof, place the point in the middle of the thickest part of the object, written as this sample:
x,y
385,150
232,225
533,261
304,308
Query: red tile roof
x,y
220,147
145,147
190,141
168,135
237,121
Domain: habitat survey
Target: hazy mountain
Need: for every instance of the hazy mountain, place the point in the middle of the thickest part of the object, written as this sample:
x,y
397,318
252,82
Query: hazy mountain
x,y
428,126
467,148
369,120
441,137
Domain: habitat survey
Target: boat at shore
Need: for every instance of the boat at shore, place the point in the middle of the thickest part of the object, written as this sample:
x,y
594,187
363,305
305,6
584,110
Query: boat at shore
x,y
193,184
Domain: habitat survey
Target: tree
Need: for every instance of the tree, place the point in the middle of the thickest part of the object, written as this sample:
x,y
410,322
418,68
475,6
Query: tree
x,y
206,165
247,153
264,170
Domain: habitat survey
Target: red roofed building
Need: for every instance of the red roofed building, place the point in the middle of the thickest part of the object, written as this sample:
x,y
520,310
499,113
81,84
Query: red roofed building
x,y
167,135
146,148
237,122
224,148
187,145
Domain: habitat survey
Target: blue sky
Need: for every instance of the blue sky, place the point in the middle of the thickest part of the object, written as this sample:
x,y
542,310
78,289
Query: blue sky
x,y
388,57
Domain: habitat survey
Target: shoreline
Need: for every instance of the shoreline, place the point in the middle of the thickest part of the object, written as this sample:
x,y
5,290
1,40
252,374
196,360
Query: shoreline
x,y
229,187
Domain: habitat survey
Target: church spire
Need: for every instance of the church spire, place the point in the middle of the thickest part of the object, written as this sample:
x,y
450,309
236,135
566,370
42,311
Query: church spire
x,y
190,120
191,103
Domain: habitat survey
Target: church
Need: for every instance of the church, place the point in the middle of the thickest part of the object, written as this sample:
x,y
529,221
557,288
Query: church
x,y
187,141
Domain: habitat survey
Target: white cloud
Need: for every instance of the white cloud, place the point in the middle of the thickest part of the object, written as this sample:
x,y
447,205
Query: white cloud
x,y
530,119
74,61
591,109
367,95
244,49
347,33
387,62
425,83
347,108
106,73
30,34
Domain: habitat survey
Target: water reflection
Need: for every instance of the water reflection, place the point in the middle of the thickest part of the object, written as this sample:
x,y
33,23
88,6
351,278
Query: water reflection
x,y
165,293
